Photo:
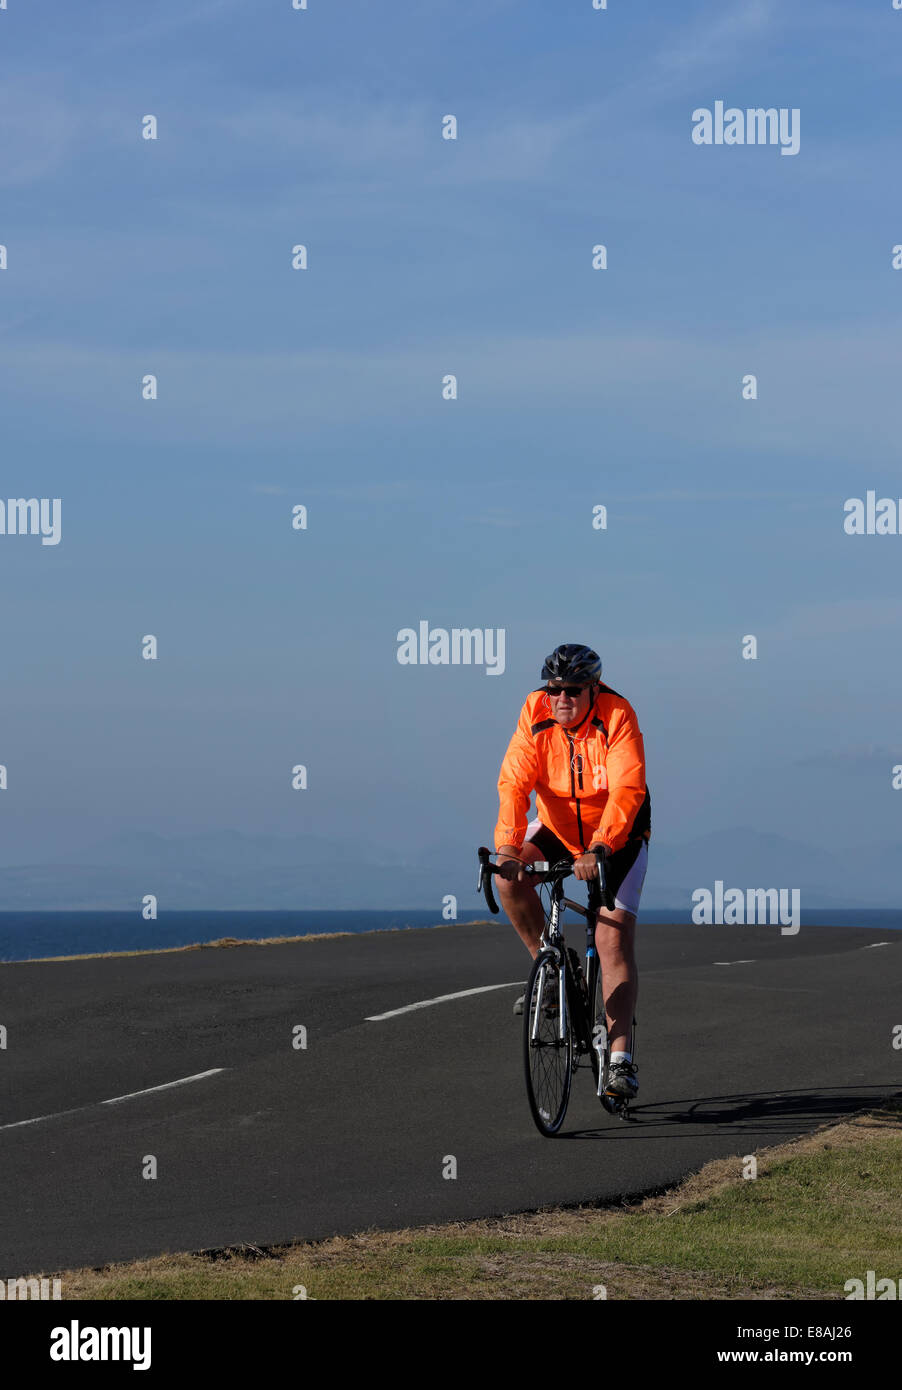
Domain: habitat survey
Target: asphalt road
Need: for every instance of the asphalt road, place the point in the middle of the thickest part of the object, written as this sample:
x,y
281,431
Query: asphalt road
x,y
355,1130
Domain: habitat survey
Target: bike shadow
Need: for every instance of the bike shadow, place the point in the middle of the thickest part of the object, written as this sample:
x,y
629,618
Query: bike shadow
x,y
781,1113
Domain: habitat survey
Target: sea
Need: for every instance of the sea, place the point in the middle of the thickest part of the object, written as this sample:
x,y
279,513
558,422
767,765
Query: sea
x,y
43,935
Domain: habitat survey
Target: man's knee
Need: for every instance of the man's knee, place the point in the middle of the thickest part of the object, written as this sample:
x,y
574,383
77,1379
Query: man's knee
x,y
529,854
511,889
616,917
615,930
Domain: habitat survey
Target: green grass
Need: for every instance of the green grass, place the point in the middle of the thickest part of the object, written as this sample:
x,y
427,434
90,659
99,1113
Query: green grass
x,y
823,1209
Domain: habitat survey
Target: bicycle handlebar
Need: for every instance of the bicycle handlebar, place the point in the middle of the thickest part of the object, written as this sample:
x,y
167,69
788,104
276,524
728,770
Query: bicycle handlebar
x,y
484,882
546,873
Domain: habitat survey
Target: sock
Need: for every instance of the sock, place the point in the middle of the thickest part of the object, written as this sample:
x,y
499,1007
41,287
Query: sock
x,y
621,1057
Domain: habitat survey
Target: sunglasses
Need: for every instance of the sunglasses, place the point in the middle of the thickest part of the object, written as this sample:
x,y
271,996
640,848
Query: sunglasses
x,y
572,690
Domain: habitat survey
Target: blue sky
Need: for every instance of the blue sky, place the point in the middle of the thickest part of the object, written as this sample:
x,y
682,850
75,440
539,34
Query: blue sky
x,y
323,387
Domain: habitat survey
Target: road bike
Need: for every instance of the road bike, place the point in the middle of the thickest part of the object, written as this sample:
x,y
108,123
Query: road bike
x,y
564,1020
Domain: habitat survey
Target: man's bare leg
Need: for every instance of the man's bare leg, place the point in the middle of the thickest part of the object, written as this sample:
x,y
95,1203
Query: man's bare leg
x,y
521,902
615,936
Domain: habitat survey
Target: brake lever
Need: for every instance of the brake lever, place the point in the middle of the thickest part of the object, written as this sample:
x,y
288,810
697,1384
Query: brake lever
x,y
484,884
605,898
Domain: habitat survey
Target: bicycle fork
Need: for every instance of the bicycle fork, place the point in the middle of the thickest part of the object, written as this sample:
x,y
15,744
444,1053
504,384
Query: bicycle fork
x,y
561,967
544,999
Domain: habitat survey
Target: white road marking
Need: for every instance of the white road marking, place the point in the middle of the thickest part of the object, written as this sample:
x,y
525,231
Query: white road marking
x,y
733,962
441,999
115,1100
183,1081
871,944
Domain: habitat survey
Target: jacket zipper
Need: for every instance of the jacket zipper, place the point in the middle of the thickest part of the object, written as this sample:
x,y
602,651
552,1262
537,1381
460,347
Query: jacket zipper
x,y
579,819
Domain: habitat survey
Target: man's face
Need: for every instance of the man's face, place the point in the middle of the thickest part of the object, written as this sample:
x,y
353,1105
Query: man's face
x,y
568,708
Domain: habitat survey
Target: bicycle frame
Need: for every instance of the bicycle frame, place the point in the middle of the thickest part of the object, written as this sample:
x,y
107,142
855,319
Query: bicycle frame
x,y
552,939
595,1033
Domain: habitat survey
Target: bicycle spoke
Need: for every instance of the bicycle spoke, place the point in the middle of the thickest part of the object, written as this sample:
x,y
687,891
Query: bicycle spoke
x,y
548,1053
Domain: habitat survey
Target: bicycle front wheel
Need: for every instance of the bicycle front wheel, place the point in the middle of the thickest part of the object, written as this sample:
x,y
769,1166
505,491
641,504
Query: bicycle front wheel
x,y
548,1045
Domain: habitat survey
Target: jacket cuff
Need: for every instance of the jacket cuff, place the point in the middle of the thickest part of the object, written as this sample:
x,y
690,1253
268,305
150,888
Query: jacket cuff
x,y
515,841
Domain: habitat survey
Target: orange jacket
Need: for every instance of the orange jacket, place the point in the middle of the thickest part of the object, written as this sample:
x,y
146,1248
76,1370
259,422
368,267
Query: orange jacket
x,y
589,781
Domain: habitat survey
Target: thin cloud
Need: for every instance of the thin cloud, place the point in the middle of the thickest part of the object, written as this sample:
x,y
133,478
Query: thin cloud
x,y
861,756
844,616
702,495
711,44
820,387
179,17
688,56
39,130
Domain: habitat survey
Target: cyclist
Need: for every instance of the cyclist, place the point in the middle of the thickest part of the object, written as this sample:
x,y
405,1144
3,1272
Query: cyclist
x,y
578,746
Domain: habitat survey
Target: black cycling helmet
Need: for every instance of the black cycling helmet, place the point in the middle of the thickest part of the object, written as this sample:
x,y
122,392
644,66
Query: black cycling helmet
x,y
572,662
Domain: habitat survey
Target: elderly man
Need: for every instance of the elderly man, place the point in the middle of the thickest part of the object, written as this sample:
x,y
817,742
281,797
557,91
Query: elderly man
x,y
578,746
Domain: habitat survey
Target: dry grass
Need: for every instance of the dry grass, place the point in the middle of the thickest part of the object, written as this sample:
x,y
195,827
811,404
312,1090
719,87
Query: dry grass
x,y
238,941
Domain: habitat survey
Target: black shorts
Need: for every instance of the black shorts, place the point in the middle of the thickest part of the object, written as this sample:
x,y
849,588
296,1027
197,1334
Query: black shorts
x,y
624,870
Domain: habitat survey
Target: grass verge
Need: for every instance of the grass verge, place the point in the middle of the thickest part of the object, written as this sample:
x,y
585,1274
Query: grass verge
x,y
227,941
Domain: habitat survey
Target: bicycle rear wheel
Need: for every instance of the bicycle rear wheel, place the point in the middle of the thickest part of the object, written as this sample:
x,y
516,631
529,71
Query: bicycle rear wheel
x,y
548,1046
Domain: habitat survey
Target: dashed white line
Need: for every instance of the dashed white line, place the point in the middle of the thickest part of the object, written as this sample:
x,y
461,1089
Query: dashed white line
x,y
871,944
733,962
441,999
115,1100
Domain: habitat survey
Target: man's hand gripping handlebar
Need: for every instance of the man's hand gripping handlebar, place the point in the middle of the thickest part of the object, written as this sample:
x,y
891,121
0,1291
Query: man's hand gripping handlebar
x,y
545,873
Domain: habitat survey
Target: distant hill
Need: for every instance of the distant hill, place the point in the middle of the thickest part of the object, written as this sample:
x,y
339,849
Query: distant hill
x,y
744,858
228,869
